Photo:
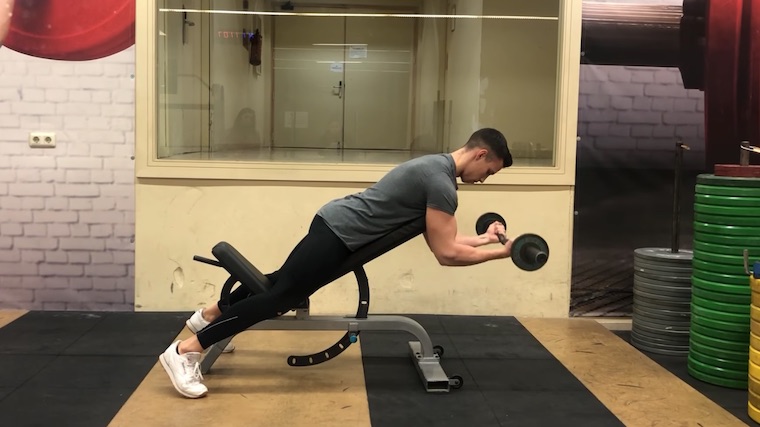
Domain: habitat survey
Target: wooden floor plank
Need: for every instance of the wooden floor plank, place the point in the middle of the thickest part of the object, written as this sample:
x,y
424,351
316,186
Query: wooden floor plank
x,y
636,389
8,316
255,386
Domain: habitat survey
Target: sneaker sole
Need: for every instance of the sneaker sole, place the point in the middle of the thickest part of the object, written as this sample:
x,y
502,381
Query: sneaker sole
x,y
174,383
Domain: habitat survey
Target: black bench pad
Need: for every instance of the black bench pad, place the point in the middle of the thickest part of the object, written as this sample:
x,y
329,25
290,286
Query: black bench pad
x,y
244,272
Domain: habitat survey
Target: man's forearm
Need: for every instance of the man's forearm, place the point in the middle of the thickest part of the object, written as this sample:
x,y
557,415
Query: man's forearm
x,y
473,241
464,255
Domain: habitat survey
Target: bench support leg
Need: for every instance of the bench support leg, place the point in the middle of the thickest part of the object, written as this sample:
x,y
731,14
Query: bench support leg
x,y
426,361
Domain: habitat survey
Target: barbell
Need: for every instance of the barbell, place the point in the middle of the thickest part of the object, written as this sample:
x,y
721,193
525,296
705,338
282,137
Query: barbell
x,y
529,251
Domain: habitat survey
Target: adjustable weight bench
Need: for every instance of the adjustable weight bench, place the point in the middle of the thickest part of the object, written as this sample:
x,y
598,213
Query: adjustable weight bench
x,y
425,356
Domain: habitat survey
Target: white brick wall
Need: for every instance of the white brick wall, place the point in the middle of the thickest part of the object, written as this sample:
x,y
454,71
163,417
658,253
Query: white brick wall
x,y
632,117
66,214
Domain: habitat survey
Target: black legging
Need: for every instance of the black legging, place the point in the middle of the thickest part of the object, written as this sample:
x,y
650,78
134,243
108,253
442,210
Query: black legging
x,y
309,267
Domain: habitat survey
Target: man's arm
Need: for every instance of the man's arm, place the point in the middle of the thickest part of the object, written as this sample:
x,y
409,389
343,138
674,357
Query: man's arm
x,y
473,241
441,237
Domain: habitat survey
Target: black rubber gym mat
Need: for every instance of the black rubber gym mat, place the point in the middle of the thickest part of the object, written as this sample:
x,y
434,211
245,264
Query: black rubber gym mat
x,y
510,379
732,400
56,364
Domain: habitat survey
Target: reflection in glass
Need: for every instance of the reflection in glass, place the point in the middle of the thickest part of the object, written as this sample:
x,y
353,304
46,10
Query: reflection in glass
x,y
374,83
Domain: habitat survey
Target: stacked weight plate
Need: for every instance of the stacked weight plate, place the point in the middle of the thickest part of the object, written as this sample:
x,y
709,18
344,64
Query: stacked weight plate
x,y
661,297
753,404
726,222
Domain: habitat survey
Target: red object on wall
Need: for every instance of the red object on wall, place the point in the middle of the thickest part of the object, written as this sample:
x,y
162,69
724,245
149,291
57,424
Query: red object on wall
x,y
722,73
753,116
71,30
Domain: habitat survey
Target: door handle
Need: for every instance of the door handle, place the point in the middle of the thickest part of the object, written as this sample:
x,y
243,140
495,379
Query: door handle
x,y
340,89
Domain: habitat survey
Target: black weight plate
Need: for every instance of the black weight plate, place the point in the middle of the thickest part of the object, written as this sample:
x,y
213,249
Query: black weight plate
x,y
522,254
681,324
716,190
709,285
664,255
727,200
674,341
724,210
727,181
659,318
725,230
485,220
661,268
662,307
719,268
654,347
678,282
662,299
661,278
727,220
670,291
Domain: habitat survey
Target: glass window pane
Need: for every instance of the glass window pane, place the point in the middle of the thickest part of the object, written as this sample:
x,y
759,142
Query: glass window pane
x,y
379,82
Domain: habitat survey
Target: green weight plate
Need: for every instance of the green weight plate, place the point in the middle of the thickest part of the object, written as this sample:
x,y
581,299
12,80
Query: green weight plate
x,y
717,190
717,333
729,279
733,365
742,327
727,220
719,315
727,230
663,255
721,306
733,260
742,289
716,371
748,202
714,267
718,352
711,379
723,344
727,181
734,241
724,210
753,251
719,296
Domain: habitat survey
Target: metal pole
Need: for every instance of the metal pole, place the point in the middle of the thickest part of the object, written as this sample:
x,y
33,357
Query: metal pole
x,y
675,244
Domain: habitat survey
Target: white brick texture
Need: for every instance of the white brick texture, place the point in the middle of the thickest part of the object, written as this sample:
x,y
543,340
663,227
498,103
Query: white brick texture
x,y
66,214
631,117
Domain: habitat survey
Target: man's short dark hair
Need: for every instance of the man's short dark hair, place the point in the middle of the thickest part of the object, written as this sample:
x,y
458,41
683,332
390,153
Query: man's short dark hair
x,y
494,141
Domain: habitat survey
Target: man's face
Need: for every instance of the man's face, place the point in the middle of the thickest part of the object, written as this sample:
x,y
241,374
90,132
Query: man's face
x,y
481,168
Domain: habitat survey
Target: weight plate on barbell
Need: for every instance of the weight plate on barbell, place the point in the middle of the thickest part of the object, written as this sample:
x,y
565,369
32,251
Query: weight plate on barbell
x,y
729,279
726,307
703,348
733,260
720,324
728,374
718,296
720,239
717,333
530,252
719,381
720,363
718,268
719,315
485,220
726,230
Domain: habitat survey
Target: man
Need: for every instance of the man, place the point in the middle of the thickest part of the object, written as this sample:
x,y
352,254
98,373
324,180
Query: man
x,y
424,186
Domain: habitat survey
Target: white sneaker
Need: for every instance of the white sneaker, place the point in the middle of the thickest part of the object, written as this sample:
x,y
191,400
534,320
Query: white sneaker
x,y
184,370
196,322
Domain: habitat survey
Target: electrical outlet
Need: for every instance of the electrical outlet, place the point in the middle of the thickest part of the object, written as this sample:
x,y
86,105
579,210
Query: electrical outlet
x,y
42,139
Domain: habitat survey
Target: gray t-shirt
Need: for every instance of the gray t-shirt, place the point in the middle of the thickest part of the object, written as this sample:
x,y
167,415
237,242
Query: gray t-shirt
x,y
400,196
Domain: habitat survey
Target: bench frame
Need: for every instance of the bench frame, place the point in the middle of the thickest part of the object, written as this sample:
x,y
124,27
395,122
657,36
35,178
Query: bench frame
x,y
425,356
